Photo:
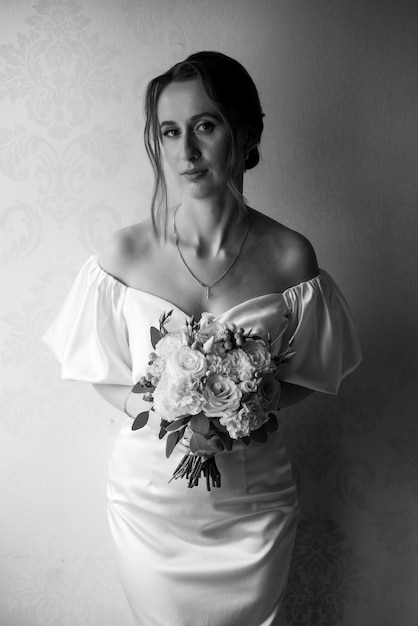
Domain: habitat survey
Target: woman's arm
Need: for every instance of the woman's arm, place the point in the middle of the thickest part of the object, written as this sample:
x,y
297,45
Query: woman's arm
x,y
121,397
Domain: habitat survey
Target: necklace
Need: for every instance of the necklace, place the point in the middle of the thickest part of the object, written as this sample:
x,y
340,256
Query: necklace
x,y
228,269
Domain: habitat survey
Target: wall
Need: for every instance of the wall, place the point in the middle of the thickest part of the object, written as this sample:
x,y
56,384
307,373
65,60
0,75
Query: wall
x,y
338,82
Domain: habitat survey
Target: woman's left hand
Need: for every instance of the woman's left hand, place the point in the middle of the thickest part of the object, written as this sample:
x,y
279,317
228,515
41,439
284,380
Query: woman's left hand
x,y
200,445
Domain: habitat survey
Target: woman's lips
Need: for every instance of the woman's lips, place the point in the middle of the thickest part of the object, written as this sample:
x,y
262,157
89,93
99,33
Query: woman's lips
x,y
194,174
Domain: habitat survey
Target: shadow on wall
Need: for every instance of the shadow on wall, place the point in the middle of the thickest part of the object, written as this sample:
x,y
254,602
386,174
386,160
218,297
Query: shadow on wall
x,y
355,455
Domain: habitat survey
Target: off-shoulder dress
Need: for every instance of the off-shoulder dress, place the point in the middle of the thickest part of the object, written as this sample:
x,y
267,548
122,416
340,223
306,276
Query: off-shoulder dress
x,y
189,557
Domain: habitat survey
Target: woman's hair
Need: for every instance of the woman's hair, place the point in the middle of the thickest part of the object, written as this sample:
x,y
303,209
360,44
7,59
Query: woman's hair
x,y
234,97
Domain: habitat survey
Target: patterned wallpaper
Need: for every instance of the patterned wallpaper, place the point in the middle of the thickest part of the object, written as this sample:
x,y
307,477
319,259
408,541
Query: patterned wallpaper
x,y
339,162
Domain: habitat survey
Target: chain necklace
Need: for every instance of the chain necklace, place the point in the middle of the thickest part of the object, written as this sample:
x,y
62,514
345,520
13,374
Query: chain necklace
x,y
228,269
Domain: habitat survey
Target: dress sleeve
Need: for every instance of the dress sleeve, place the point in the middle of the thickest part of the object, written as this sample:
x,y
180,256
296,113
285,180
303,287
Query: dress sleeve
x,y
323,334
89,336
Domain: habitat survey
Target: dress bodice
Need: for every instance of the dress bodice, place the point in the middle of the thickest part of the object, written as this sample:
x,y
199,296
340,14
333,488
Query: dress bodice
x,y
102,332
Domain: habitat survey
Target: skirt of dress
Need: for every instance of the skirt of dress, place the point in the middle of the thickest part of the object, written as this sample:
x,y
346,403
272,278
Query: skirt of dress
x,y
190,557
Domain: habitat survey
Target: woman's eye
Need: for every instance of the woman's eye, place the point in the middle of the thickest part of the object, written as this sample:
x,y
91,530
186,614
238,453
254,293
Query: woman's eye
x,y
202,127
171,132
206,127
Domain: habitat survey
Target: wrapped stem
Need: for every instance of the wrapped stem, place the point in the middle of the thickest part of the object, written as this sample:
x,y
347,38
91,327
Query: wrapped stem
x,y
193,467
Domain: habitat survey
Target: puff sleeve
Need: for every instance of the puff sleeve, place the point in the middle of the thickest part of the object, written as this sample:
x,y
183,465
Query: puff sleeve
x,y
323,334
89,336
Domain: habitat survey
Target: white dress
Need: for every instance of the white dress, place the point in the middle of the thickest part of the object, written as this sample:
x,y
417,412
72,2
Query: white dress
x,y
189,557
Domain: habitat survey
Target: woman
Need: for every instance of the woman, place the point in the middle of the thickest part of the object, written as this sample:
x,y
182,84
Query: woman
x,y
188,556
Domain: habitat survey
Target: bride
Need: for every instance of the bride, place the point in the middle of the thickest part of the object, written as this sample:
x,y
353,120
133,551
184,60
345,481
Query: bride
x,y
189,557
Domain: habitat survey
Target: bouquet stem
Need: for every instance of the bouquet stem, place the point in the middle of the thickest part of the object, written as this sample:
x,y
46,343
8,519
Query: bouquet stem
x,y
192,467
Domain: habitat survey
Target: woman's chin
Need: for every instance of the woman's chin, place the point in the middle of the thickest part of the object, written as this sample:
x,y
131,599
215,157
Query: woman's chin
x,y
201,190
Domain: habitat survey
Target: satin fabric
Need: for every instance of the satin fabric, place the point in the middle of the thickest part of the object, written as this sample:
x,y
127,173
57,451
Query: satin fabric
x,y
186,556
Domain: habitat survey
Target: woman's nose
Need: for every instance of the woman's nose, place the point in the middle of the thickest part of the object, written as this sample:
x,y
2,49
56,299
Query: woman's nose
x,y
189,147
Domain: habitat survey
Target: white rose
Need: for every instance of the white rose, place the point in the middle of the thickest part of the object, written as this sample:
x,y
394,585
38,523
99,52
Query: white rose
x,y
206,318
248,386
209,327
221,395
186,361
168,343
257,353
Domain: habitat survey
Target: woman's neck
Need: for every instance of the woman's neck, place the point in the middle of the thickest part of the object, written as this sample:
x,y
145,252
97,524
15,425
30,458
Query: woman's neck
x,y
209,226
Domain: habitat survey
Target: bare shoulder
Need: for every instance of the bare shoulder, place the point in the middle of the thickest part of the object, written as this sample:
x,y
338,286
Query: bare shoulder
x,y
291,253
125,248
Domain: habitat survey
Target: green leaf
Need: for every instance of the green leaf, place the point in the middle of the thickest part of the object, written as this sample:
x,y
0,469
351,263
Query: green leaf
x,y
197,442
155,336
177,423
140,420
259,435
272,425
224,437
138,388
172,441
200,424
226,440
216,424
163,428
164,317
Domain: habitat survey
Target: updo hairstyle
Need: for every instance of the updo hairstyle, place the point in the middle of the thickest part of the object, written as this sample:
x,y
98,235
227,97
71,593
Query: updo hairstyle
x,y
234,97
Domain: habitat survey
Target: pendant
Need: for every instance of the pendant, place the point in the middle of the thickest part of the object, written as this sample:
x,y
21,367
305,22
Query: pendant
x,y
207,292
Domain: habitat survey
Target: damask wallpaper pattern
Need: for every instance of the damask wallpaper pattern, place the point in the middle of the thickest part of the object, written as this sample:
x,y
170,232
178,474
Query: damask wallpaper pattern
x,y
339,87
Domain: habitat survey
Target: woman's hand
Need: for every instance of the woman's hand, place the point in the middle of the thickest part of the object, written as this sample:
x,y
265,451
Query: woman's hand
x,y
208,446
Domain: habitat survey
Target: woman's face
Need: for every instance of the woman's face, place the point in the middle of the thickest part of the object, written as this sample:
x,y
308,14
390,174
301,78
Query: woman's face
x,y
194,138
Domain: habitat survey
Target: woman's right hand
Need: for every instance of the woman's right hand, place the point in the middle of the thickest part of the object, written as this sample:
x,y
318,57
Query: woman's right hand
x,y
208,445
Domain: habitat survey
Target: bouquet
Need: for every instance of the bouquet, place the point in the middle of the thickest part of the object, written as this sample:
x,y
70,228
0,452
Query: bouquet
x,y
212,384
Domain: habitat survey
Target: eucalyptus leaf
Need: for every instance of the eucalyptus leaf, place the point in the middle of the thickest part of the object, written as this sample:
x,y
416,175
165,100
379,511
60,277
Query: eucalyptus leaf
x,y
155,336
138,388
164,317
259,435
224,437
227,441
200,424
197,442
172,441
272,425
140,420
177,423
218,426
